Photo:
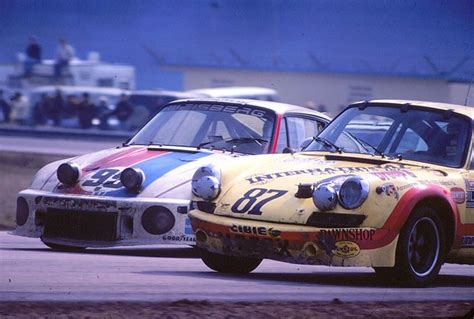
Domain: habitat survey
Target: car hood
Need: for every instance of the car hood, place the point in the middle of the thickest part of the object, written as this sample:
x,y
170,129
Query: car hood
x,y
167,172
263,187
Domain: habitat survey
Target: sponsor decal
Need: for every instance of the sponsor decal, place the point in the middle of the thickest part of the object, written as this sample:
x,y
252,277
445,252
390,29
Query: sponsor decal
x,y
180,238
467,241
348,234
469,184
233,109
265,178
389,190
458,195
79,204
470,199
346,249
254,230
188,229
394,174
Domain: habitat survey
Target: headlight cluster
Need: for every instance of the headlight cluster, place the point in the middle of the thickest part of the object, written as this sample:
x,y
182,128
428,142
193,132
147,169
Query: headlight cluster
x,y
351,193
206,182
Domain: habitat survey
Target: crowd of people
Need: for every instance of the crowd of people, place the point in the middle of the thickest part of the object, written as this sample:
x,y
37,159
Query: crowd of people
x,y
57,108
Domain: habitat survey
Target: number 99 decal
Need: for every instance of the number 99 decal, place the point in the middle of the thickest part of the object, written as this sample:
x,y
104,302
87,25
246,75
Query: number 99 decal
x,y
109,178
252,203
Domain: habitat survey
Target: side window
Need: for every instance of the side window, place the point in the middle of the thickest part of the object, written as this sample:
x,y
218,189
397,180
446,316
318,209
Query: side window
x,y
282,137
301,128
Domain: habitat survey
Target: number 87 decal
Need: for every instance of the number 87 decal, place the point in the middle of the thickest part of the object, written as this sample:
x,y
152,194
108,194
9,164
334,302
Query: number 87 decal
x,y
249,202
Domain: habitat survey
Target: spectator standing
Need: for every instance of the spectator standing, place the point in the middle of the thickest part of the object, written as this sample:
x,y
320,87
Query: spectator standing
x,y
20,108
103,112
56,108
39,110
6,109
65,54
123,111
33,56
86,111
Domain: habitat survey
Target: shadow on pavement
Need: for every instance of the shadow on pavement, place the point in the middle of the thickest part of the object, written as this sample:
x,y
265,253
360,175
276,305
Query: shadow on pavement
x,y
181,252
323,278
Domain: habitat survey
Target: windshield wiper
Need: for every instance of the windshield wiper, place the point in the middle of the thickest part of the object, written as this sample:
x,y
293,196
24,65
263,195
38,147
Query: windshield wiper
x,y
328,143
239,140
364,144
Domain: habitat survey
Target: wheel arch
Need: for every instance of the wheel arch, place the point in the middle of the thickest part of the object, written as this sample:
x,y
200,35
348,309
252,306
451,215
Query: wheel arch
x,y
445,211
436,197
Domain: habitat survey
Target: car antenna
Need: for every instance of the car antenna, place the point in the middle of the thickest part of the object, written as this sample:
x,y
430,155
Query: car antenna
x,y
468,90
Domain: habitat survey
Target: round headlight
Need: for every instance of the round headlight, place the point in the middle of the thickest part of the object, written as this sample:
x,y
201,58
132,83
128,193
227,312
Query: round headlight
x,y
324,197
206,182
353,192
132,179
68,173
158,220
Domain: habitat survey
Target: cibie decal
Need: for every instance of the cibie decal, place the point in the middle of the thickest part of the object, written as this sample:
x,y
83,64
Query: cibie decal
x,y
108,178
468,241
346,249
254,230
458,195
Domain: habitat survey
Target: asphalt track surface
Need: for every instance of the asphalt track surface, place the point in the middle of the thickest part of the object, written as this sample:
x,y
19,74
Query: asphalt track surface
x,y
29,271
67,147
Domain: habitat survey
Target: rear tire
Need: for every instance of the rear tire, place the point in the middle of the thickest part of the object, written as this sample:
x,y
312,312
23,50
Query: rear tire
x,y
59,247
229,264
420,250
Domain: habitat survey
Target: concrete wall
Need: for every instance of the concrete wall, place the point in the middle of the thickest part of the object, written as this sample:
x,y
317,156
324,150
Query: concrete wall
x,y
314,89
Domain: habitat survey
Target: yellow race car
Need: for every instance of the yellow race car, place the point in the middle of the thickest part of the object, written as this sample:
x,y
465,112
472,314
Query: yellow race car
x,y
387,184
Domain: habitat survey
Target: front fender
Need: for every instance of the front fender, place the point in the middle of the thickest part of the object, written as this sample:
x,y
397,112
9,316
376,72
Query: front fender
x,y
407,204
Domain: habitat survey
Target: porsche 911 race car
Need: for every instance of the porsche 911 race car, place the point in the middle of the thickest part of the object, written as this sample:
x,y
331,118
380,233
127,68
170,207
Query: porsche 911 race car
x,y
387,184
140,193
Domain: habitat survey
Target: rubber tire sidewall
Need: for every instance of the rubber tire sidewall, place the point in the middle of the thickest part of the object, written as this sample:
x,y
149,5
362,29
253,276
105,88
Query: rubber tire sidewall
x,y
229,264
402,270
59,247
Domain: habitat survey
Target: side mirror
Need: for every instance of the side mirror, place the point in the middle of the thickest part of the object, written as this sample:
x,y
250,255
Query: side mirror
x,y
306,143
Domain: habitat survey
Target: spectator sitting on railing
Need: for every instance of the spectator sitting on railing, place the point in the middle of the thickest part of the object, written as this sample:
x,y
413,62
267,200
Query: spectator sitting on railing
x,y
33,56
65,54
6,108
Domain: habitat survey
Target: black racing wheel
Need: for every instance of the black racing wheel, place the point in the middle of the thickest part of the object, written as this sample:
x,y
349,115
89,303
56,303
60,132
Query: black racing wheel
x,y
229,264
420,250
63,247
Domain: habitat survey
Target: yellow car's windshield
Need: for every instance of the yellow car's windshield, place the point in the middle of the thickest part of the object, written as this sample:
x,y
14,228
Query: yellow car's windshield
x,y
414,133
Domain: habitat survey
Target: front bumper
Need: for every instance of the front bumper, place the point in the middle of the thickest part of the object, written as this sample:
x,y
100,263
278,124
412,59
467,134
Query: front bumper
x,y
93,221
298,244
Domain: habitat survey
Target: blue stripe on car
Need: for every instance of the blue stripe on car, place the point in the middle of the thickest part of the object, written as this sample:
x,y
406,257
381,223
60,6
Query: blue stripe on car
x,y
156,167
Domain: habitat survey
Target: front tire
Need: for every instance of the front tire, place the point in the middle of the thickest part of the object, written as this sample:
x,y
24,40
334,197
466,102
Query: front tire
x,y
229,264
420,250
59,247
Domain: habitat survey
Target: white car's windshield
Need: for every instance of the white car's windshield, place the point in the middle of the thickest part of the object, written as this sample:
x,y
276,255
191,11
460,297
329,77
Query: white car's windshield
x,y
243,129
414,133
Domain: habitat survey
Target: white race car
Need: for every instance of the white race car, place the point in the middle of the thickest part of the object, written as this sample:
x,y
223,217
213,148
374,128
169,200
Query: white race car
x,y
140,193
